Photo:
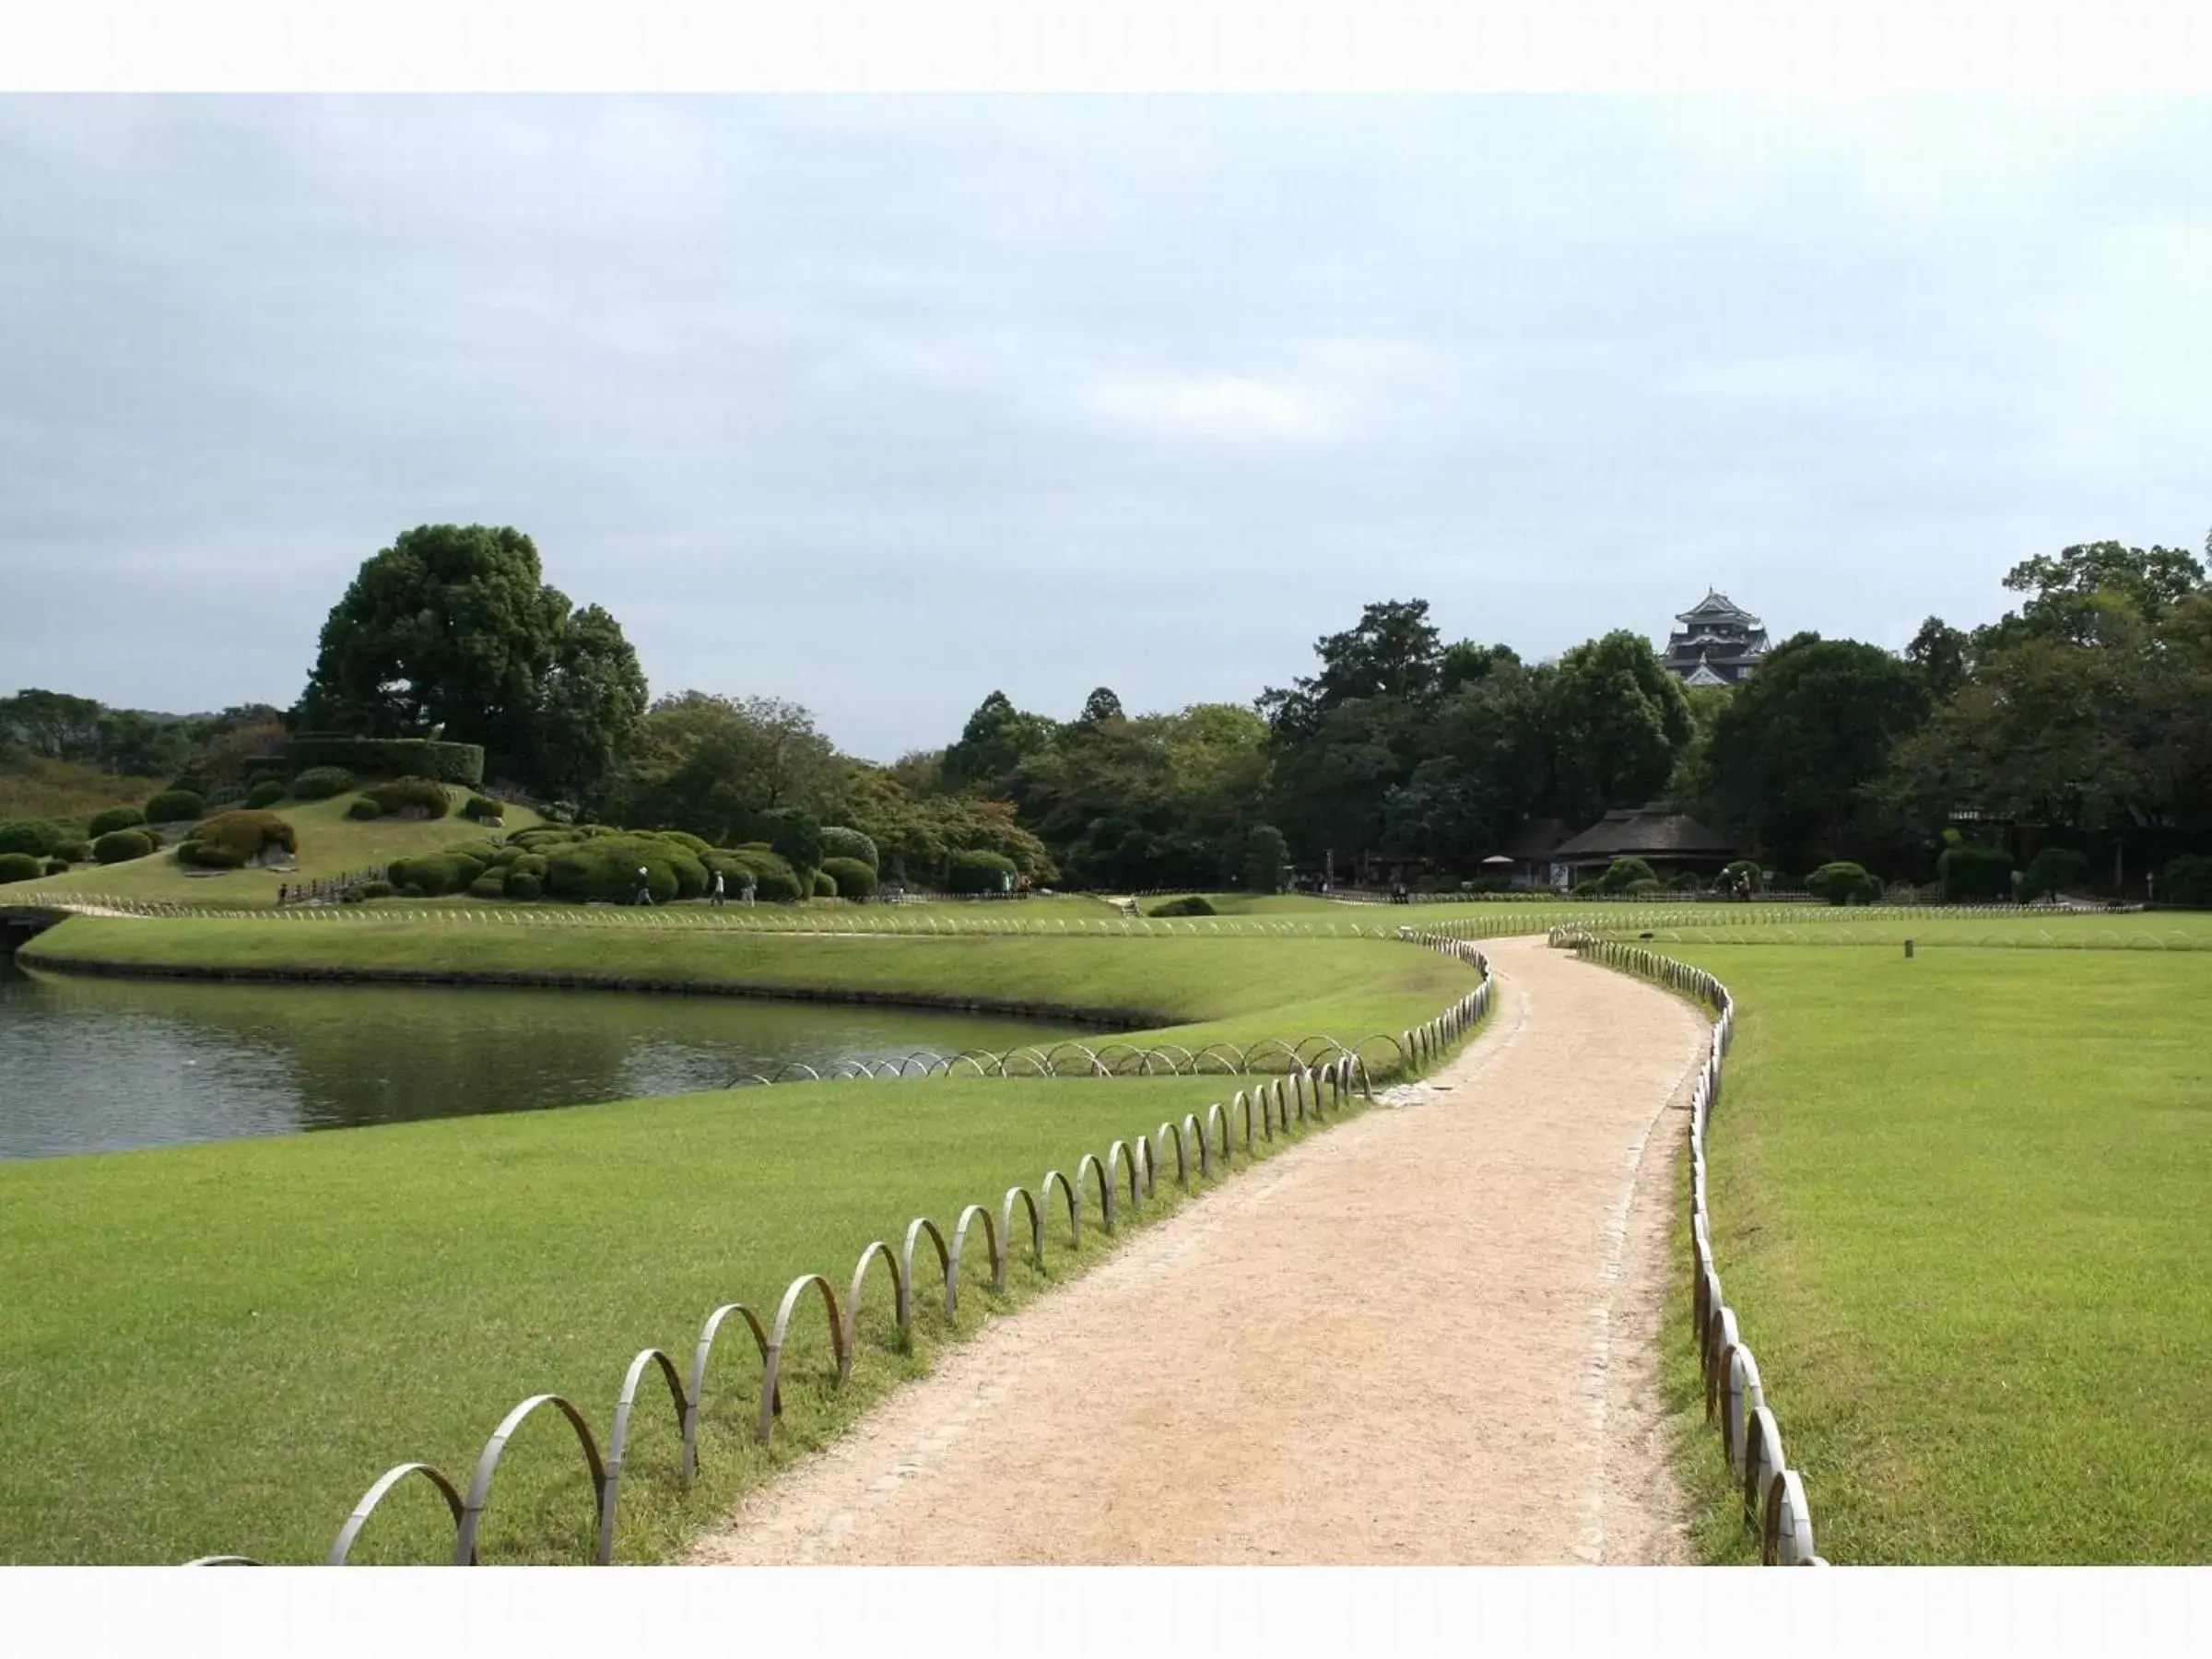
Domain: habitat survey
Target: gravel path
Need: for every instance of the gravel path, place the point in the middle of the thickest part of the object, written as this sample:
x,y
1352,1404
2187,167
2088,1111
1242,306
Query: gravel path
x,y
1426,1336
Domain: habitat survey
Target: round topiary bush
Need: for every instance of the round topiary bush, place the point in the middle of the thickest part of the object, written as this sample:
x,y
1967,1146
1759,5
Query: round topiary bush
x,y
114,818
523,884
850,878
265,795
483,809
1622,875
320,782
176,807
375,887
245,837
73,849
825,885
1972,873
1191,904
57,866
19,866
492,884
432,873
1844,882
979,872
411,798
605,868
840,843
773,880
364,808
34,836
120,846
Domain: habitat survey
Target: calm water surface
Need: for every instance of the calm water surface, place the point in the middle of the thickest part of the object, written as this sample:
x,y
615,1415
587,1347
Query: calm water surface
x,y
90,1064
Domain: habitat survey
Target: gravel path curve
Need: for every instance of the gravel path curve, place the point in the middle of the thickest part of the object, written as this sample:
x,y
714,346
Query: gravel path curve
x,y
1426,1336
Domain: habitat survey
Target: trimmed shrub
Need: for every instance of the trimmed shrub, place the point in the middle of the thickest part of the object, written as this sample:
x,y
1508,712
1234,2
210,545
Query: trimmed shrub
x,y
698,846
794,835
1645,888
207,855
422,795
1194,904
1844,882
461,763
120,846
523,884
1687,882
606,869
849,877
34,836
57,866
560,812
2187,881
364,808
492,884
375,887
977,871
73,849
19,866
840,843
114,818
825,885
320,782
775,882
436,873
1265,854
484,852
175,806
1623,873
265,795
1740,870
2051,871
244,834
225,795
1970,873
484,809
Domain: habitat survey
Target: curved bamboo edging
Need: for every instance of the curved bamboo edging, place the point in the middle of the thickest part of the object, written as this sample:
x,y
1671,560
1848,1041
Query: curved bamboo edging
x,y
1774,1503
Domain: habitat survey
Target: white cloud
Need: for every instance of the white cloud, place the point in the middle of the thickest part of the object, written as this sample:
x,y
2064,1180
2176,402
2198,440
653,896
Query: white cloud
x,y
1214,405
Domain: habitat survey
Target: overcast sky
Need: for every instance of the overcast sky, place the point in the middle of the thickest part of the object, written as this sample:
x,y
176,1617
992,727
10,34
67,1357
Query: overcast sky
x,y
878,405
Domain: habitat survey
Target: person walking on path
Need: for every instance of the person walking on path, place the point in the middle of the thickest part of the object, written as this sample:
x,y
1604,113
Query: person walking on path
x,y
716,899
645,885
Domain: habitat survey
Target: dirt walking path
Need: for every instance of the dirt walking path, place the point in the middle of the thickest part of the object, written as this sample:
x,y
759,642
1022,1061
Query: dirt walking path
x,y
1426,1336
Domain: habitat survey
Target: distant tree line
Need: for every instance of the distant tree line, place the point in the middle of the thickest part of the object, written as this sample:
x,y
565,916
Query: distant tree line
x,y
2083,713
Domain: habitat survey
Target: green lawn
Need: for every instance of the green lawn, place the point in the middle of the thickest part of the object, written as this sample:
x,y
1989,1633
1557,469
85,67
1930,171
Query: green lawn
x,y
1959,1203
216,1348
330,844
225,1344
1189,990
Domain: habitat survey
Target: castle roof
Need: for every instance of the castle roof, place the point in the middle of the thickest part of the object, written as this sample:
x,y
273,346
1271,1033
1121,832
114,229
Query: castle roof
x,y
1716,606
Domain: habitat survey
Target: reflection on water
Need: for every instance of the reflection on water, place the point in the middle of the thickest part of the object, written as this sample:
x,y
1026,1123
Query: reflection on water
x,y
90,1064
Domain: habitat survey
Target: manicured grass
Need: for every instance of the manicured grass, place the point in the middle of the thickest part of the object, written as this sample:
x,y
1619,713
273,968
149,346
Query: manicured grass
x,y
2146,931
1189,990
216,1348
1959,1203
330,844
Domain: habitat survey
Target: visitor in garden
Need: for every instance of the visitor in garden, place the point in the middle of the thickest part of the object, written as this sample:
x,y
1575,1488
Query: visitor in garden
x,y
645,885
716,897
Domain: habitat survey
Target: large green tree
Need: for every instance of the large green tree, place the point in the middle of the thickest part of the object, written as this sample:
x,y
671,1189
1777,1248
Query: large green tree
x,y
1618,721
1797,745
453,629
715,765
998,739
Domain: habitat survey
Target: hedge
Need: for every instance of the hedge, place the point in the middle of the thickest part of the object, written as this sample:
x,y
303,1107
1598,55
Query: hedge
x,y
850,878
606,869
840,843
523,884
411,795
114,818
120,846
977,871
175,806
460,763
19,866
432,873
1967,872
2187,881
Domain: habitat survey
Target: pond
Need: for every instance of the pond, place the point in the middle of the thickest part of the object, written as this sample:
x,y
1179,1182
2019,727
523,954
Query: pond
x,y
93,1064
